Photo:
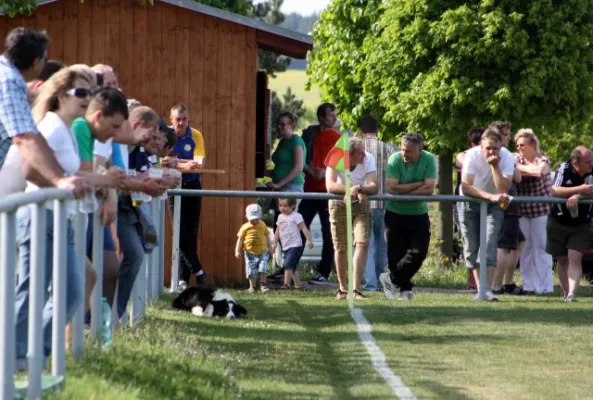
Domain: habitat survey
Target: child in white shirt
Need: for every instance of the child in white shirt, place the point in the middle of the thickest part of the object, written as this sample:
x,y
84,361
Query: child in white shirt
x,y
290,224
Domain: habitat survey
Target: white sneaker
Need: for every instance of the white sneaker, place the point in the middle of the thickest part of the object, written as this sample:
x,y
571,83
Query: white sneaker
x,y
489,296
182,286
406,295
388,287
571,297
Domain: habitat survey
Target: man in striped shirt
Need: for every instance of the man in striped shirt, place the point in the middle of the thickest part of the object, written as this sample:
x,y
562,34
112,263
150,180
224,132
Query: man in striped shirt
x,y
377,256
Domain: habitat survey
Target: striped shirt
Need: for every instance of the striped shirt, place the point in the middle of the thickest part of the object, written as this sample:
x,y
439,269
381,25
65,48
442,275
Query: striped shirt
x,y
381,151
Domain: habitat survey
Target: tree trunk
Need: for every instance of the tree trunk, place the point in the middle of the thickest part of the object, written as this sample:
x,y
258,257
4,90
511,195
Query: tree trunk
x,y
446,208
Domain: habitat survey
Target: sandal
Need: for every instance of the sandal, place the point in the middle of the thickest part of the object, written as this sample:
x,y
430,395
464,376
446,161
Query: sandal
x,y
359,296
341,295
285,287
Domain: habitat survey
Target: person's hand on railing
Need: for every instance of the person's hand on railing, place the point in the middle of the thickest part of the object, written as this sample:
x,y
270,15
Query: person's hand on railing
x,y
76,184
193,165
116,177
272,185
502,200
363,198
170,162
171,181
108,210
154,187
573,201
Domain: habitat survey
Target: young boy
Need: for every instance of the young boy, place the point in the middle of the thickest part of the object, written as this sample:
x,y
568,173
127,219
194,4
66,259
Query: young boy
x,y
254,241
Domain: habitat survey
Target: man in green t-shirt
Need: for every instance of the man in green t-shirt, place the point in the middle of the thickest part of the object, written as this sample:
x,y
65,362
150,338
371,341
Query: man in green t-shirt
x,y
411,171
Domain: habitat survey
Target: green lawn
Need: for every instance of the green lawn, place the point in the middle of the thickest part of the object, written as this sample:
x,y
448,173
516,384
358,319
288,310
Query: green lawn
x,y
304,345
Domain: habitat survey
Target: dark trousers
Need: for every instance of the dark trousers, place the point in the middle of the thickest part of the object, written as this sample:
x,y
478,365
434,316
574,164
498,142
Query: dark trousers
x,y
191,207
408,237
308,209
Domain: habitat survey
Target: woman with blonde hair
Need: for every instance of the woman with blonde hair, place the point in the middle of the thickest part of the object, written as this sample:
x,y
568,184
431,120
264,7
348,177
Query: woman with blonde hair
x,y
64,97
536,264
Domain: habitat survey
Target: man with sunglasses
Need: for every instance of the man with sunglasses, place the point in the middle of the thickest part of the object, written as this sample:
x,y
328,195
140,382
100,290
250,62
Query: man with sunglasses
x,y
24,56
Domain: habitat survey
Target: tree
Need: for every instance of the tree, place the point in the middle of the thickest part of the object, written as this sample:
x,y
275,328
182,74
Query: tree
x,y
269,12
442,67
14,7
288,102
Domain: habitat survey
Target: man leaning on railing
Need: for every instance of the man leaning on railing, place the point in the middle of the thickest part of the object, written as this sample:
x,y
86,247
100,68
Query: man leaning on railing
x,y
24,56
569,226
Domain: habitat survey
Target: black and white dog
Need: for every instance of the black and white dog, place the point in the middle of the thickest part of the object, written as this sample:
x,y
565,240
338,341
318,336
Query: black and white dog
x,y
208,302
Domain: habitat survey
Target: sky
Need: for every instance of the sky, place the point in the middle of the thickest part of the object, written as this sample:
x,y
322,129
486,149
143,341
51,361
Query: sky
x,y
304,7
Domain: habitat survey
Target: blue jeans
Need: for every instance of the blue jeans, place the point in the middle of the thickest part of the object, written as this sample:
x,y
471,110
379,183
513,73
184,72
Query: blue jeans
x,y
74,285
377,256
469,218
133,256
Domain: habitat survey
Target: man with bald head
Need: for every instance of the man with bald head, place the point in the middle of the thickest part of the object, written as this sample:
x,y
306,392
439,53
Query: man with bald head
x,y
569,225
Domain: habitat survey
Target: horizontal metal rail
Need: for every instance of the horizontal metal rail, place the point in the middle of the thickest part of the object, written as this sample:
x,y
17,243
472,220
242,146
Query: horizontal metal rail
x,y
383,197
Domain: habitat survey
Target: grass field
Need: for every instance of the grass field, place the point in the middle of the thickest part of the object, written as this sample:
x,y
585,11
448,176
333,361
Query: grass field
x,y
304,345
296,80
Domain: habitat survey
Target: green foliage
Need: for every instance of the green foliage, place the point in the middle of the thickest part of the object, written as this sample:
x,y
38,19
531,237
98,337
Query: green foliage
x,y
288,102
442,67
11,8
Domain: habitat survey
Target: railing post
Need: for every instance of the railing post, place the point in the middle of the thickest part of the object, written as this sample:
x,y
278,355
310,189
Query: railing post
x,y
97,295
59,288
78,321
175,246
36,299
7,296
161,260
483,285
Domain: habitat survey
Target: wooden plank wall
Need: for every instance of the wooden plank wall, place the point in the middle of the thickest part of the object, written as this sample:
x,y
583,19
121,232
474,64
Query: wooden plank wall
x,y
164,55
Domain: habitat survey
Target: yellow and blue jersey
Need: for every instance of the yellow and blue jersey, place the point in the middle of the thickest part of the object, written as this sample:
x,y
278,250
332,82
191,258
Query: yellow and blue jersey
x,y
189,146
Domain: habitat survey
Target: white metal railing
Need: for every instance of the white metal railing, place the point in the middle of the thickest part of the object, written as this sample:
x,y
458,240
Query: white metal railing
x,y
148,284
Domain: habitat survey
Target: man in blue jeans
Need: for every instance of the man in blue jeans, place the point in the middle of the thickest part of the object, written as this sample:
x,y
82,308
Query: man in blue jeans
x,y
377,255
128,225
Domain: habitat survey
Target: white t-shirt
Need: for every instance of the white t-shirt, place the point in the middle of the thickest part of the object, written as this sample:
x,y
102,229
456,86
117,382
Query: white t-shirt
x,y
475,164
63,143
11,174
290,233
105,150
358,175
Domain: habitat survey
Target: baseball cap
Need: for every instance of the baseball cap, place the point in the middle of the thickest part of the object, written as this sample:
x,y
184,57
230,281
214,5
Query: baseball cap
x,y
254,211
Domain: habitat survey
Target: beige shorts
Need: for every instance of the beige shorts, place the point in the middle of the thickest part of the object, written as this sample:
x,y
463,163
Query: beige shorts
x,y
361,223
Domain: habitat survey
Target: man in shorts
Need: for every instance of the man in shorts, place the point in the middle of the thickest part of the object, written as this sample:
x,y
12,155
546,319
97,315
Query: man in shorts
x,y
569,225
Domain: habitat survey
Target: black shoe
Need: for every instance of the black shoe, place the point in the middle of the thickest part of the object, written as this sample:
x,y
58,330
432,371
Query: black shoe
x,y
500,291
202,280
318,279
513,289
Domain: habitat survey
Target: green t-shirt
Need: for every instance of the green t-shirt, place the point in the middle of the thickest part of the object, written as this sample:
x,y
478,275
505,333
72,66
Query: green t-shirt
x,y
84,139
283,159
424,168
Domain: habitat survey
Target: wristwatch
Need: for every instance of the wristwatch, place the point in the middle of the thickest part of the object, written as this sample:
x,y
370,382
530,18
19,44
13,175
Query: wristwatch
x,y
359,188
580,196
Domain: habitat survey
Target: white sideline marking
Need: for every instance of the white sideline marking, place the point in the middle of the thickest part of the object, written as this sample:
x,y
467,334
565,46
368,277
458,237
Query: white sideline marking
x,y
378,358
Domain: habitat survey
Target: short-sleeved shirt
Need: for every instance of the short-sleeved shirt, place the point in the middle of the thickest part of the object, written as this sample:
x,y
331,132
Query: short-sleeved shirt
x,y
139,160
255,237
566,176
15,112
359,173
62,142
381,151
284,161
475,164
324,141
408,172
290,233
534,186
189,146
84,139
118,153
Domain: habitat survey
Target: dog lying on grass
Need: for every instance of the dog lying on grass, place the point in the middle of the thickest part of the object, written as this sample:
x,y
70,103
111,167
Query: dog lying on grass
x,y
209,303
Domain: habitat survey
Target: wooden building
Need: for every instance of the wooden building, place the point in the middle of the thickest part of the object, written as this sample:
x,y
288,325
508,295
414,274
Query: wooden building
x,y
183,52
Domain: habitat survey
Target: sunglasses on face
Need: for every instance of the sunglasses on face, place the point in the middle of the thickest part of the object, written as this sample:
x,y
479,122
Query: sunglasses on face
x,y
81,93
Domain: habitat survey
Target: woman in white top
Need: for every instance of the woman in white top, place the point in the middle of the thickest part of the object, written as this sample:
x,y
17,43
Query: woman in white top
x,y
63,98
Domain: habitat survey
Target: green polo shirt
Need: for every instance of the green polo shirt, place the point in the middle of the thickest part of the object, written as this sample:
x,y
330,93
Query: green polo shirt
x,y
424,168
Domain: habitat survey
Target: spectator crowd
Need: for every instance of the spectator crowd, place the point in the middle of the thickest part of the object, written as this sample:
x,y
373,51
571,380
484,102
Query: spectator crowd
x,y
72,128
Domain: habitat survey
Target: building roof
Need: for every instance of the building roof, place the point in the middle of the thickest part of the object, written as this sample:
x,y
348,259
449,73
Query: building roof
x,y
269,37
